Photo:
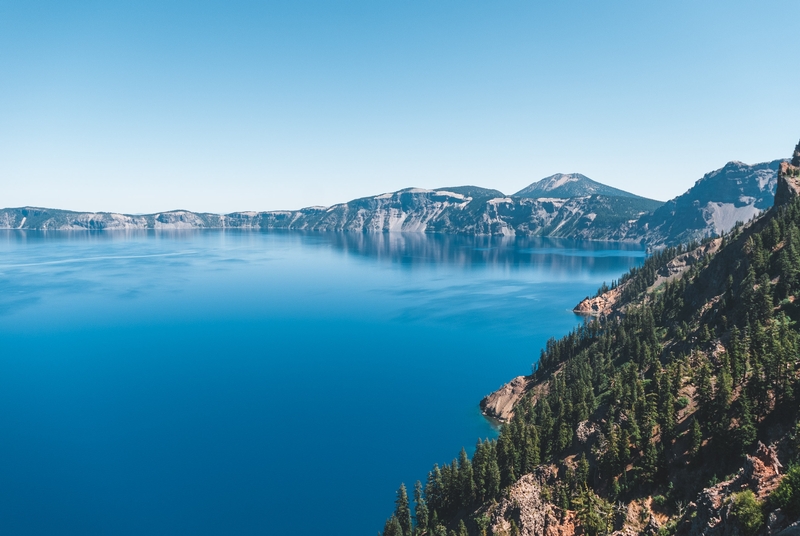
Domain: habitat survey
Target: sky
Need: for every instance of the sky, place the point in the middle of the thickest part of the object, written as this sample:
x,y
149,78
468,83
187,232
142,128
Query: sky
x,y
148,106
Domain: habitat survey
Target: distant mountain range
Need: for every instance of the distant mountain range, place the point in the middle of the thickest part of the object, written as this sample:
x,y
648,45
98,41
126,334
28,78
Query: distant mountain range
x,y
567,206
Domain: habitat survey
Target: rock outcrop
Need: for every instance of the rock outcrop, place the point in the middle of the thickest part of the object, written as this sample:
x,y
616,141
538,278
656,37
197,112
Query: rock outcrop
x,y
711,513
736,192
500,404
789,179
531,512
600,305
565,206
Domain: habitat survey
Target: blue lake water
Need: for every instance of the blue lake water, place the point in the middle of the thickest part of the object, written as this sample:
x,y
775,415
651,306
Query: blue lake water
x,y
259,383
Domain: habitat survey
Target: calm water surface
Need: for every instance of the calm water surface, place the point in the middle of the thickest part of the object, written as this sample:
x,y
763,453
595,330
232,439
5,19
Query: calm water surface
x,y
259,383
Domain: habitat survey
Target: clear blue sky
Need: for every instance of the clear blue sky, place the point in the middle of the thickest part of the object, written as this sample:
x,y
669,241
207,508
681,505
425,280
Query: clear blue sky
x,y
223,106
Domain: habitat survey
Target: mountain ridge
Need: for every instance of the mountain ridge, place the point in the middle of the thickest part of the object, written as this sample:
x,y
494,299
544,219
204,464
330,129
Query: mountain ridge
x,y
736,192
675,412
567,185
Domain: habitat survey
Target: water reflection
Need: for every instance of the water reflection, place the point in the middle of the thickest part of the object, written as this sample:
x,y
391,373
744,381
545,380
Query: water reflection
x,y
402,248
547,253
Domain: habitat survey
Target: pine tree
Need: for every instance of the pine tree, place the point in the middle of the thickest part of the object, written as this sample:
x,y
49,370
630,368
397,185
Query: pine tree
x,y
392,527
420,509
582,471
493,478
745,434
506,456
649,463
696,438
402,511
593,512
467,481
462,529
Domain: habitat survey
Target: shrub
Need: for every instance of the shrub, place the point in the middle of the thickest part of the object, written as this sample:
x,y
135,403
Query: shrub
x,y
682,402
787,495
746,511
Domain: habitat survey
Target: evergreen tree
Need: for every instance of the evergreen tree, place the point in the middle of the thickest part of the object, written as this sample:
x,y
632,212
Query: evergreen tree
x,y
745,434
493,477
402,511
506,456
392,527
649,463
593,512
696,438
582,471
420,509
465,474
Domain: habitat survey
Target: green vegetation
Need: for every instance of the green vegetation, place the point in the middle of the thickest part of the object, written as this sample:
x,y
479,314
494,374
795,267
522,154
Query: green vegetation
x,y
746,512
787,494
720,342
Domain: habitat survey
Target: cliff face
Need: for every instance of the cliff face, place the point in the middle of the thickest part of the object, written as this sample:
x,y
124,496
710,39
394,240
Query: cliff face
x,y
711,514
500,404
412,210
789,179
565,206
530,511
736,192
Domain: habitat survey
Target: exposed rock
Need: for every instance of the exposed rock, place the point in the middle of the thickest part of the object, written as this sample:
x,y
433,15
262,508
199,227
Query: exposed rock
x,y
602,305
534,515
587,432
788,181
500,404
736,192
653,526
411,210
760,474
775,520
605,304
791,530
567,206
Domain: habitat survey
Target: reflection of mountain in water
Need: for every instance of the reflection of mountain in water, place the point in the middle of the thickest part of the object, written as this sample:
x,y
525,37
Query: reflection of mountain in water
x,y
569,257
552,256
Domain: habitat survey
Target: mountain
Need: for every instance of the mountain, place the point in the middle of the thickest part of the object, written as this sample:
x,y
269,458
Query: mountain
x,y
569,185
674,411
736,192
410,210
476,192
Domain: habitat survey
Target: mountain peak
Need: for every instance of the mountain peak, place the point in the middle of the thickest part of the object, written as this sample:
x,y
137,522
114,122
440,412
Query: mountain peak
x,y
566,185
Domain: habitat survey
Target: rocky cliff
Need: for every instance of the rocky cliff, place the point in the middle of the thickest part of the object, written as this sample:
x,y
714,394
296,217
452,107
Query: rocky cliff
x,y
566,206
412,210
736,192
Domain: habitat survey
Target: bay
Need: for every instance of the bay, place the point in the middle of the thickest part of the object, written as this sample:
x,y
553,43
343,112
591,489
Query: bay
x,y
218,382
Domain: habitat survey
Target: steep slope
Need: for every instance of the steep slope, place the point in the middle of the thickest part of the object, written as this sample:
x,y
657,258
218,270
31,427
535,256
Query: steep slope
x,y
569,185
736,192
449,210
570,209
676,413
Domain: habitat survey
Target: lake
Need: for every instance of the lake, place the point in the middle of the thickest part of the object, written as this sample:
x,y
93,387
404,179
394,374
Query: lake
x,y
210,382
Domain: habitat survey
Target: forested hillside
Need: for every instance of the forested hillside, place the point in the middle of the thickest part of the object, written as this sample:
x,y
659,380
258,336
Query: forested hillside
x,y
677,413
